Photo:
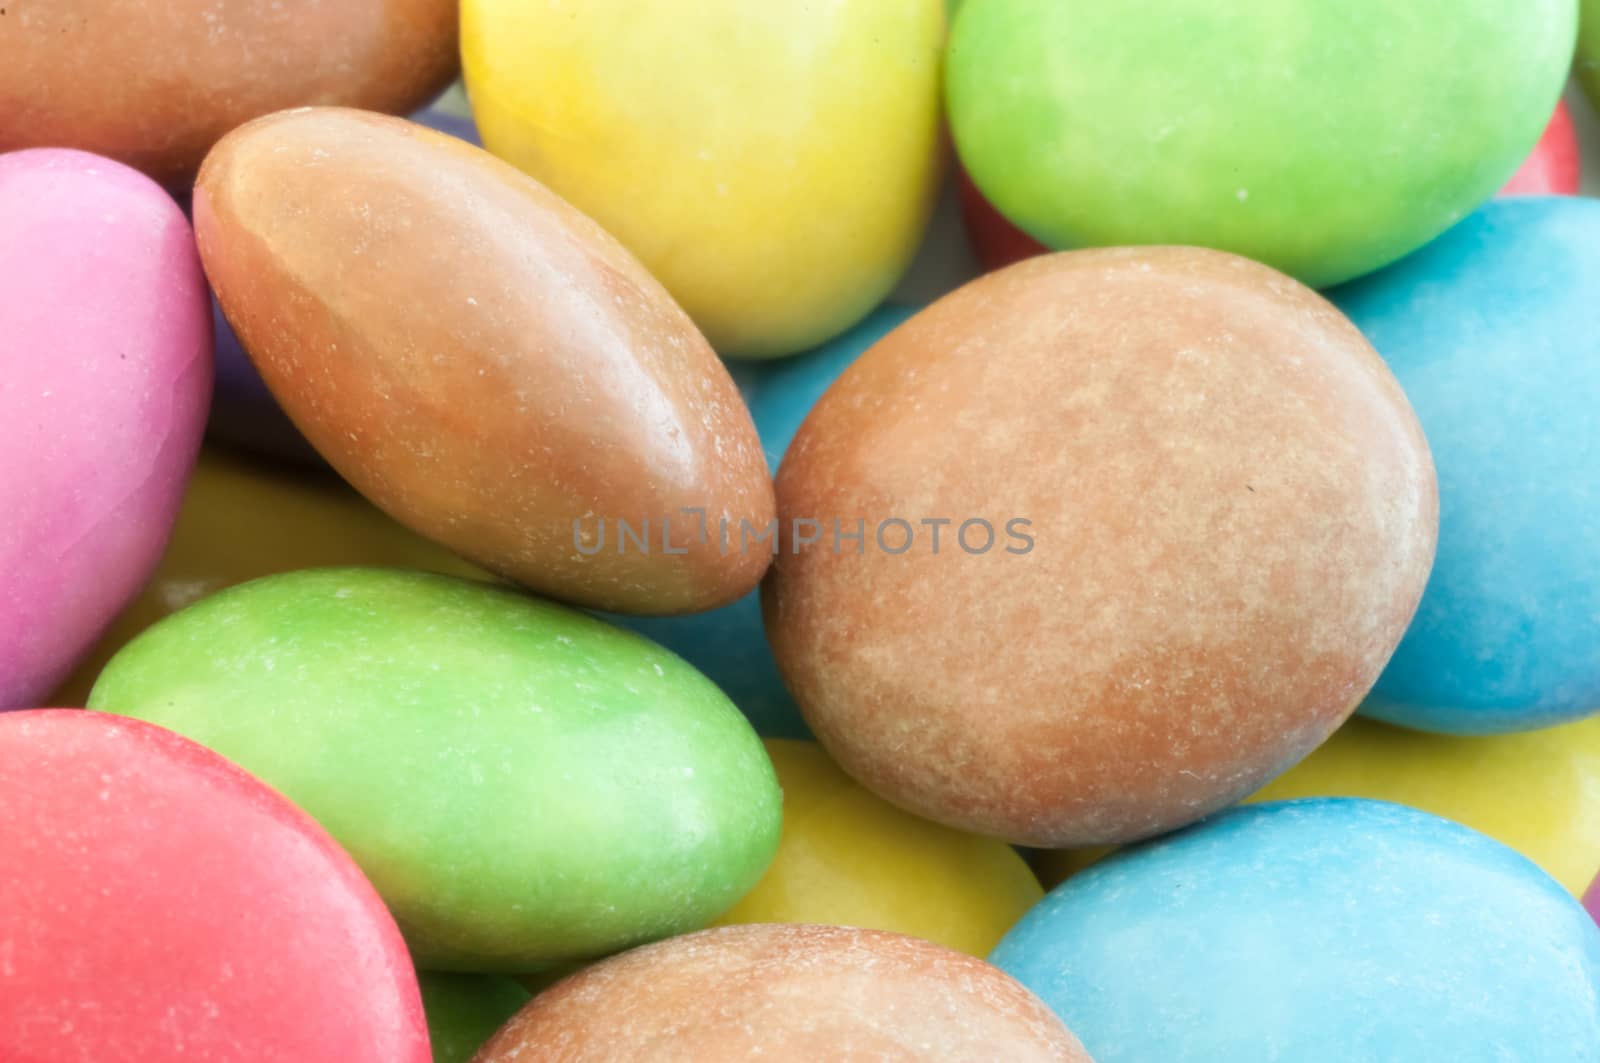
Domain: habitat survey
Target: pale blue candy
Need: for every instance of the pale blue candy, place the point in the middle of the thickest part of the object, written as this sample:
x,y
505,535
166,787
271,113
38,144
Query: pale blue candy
x,y
729,644
1319,931
1494,332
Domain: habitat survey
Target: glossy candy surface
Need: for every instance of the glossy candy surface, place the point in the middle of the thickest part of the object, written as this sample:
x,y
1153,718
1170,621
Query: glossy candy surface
x,y
728,644
105,374
1316,930
524,784
772,164
1232,513
159,904
1491,330
1317,153
557,392
787,993
155,85
849,858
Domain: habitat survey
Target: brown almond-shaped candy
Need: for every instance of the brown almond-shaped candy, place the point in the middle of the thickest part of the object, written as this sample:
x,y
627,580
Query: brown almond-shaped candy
x,y
155,83
1210,516
483,361
785,993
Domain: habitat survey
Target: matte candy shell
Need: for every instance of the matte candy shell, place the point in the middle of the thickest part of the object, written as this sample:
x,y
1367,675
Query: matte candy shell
x,y
1591,900
773,164
728,644
549,392
160,904
465,1010
786,993
1491,330
154,85
1323,142
1316,930
243,518
851,859
105,374
1555,167
1232,515
524,784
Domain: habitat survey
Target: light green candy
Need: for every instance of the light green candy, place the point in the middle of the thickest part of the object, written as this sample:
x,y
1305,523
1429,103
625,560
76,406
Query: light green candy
x,y
465,1010
524,785
1322,137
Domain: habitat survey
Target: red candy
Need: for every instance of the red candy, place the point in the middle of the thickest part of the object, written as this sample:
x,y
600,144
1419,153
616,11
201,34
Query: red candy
x,y
159,904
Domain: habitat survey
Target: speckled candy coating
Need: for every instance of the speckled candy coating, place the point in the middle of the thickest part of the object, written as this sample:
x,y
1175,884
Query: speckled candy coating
x,y
1233,514
1320,138
790,994
552,382
1317,930
1492,332
159,904
105,374
773,164
524,784
155,85
849,858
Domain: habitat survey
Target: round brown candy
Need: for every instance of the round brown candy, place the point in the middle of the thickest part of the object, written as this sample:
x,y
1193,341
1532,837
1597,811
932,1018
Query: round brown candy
x,y
155,84
1231,513
483,361
786,993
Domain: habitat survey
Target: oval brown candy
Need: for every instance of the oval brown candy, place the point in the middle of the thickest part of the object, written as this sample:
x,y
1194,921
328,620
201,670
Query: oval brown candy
x,y
483,361
1232,513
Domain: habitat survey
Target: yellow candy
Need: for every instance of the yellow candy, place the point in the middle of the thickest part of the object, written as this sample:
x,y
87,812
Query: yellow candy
x,y
852,859
1538,792
242,519
772,164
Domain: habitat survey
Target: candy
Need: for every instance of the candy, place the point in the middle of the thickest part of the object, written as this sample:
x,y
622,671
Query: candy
x,y
786,993
242,518
524,784
728,644
1312,930
106,350
549,395
465,1010
1538,792
1490,330
155,85
158,903
773,164
1189,514
1555,167
1286,130
852,859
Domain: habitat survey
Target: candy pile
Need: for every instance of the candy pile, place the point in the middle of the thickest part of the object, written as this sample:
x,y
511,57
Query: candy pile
x,y
597,569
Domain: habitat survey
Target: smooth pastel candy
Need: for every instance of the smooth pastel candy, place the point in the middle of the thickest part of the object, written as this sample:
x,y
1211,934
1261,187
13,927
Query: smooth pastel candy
x,y
105,374
243,518
1538,792
520,414
1319,142
158,904
155,85
465,1010
728,644
524,784
243,412
1316,930
1231,514
788,994
1491,332
851,859
773,164
1591,900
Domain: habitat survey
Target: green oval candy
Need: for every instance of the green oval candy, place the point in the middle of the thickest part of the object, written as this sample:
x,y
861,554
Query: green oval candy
x,y
465,1010
524,784
1324,138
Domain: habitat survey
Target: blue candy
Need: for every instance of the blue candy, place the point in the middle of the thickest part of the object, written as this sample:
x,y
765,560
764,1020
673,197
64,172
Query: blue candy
x,y
1329,930
1494,332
